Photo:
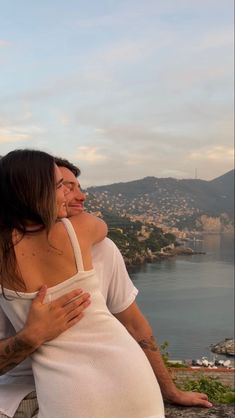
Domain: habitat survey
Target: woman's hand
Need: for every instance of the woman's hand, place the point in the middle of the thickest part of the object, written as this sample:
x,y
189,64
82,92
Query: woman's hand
x,y
44,322
48,320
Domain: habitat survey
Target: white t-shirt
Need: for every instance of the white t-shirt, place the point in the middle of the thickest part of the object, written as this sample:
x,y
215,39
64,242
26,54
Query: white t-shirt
x,y
119,293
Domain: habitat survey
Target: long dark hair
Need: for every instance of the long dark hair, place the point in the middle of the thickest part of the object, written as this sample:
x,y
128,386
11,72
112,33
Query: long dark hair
x,y
27,190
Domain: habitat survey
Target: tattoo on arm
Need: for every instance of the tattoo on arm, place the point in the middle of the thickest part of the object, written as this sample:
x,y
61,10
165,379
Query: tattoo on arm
x,y
15,351
148,344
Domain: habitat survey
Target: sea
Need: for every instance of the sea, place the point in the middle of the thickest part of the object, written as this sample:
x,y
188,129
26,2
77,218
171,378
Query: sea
x,y
189,300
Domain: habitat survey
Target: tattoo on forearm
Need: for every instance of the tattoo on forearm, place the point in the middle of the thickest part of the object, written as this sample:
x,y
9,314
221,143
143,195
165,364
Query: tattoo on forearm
x,y
148,344
14,353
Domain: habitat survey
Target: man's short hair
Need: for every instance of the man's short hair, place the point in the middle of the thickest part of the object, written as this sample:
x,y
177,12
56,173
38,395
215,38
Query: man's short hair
x,y
61,162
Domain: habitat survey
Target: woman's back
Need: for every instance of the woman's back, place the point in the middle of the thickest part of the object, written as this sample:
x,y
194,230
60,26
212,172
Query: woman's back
x,y
50,260
94,369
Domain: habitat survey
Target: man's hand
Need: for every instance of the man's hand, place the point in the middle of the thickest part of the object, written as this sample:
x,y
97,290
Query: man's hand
x,y
190,399
48,320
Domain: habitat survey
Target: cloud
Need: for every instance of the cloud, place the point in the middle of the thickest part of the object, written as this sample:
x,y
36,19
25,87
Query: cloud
x,y
123,164
214,153
123,15
150,95
64,120
100,21
125,51
141,139
218,39
174,173
100,131
7,136
89,154
15,133
4,43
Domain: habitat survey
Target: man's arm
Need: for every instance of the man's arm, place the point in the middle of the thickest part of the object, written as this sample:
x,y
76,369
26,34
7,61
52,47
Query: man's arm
x,y
45,321
14,350
120,294
137,325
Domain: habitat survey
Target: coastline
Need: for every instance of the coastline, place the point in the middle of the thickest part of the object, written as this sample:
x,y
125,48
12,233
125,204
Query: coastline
x,y
172,250
155,256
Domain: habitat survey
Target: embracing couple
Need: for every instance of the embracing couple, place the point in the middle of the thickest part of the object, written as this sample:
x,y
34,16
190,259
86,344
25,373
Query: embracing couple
x,y
68,318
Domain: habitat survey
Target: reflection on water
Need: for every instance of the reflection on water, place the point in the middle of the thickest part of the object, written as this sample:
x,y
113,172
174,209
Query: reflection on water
x,y
189,299
219,247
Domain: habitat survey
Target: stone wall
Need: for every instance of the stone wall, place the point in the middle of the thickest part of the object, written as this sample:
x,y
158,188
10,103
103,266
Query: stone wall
x,y
220,411
225,376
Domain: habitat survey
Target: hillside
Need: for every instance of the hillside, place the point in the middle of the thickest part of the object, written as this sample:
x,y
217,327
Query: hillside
x,y
173,202
224,184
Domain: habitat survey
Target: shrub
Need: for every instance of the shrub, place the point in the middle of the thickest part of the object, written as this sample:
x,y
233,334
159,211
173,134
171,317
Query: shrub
x,y
164,353
215,390
165,356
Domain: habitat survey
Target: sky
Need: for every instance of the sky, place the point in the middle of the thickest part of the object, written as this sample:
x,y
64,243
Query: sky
x,y
125,89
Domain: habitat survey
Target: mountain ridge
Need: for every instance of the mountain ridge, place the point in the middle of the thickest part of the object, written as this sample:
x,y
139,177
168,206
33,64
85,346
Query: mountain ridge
x,y
222,176
169,199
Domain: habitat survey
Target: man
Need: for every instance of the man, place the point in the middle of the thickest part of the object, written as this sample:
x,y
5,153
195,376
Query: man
x,y
127,311
17,386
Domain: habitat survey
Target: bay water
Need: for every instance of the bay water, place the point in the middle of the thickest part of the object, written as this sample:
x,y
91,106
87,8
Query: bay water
x,y
189,300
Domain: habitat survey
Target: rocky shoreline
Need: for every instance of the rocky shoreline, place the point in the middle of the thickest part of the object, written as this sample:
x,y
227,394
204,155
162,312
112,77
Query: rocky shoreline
x,y
167,252
226,347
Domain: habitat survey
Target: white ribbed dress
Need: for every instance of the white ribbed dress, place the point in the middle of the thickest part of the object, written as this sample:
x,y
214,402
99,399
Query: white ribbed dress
x,y
94,369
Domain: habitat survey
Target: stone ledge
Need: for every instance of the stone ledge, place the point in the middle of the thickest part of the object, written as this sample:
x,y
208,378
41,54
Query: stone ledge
x,y
220,411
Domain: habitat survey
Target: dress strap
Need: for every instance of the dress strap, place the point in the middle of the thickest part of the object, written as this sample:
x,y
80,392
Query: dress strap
x,y
75,244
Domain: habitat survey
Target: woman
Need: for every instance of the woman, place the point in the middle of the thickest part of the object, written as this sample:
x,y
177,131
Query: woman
x,y
94,369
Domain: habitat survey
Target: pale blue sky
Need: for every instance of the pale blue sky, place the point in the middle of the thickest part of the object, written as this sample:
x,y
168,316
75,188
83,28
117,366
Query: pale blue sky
x,y
125,89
